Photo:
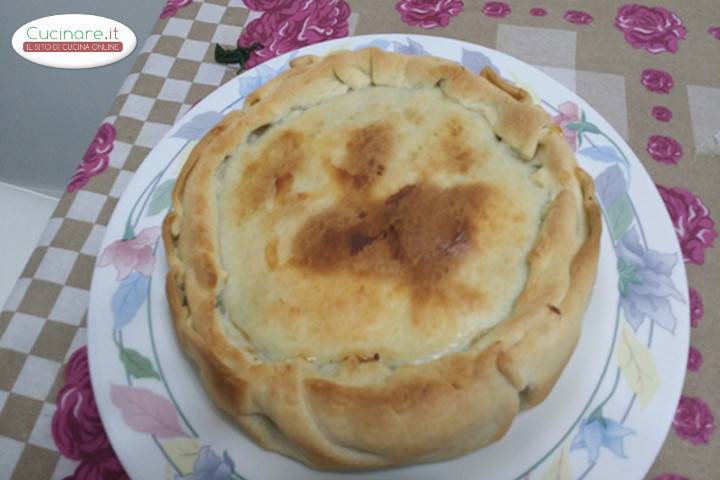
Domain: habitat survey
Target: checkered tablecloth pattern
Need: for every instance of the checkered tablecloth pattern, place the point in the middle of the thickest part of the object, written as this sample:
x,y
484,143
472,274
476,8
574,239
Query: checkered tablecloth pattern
x,y
44,320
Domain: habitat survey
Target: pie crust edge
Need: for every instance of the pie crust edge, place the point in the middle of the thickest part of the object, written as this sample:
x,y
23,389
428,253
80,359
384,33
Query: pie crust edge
x,y
429,412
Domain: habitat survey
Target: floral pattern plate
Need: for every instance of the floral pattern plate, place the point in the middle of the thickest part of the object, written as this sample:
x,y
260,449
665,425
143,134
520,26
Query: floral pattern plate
x,y
607,417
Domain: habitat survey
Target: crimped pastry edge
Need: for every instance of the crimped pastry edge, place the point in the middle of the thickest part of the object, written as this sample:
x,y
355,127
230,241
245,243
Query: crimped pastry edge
x,y
414,416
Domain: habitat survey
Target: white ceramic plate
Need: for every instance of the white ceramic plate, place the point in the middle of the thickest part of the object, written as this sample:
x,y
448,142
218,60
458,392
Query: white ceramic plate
x,y
607,416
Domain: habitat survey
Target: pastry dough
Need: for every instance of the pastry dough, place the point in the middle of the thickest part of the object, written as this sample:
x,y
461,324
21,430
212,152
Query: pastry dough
x,y
381,259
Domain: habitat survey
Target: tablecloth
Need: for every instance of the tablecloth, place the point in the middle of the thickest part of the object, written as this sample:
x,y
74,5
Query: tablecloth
x,y
653,71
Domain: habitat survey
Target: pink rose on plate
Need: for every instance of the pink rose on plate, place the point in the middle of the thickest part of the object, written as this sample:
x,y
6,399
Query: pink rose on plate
x,y
664,149
661,114
538,12
294,25
76,426
172,7
695,359
715,32
496,9
429,13
578,17
694,421
670,476
133,254
696,307
96,158
655,29
568,112
658,81
693,225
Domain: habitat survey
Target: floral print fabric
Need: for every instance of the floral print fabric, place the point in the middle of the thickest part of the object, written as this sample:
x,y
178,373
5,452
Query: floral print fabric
x,y
578,17
657,81
172,7
496,9
664,149
428,13
661,114
96,158
696,308
694,421
694,226
76,426
286,25
654,29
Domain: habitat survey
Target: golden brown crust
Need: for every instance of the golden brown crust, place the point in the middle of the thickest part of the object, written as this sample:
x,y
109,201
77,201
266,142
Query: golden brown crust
x,y
371,415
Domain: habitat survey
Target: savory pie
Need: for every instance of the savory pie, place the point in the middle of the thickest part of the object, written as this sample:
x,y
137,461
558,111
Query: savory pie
x,y
381,259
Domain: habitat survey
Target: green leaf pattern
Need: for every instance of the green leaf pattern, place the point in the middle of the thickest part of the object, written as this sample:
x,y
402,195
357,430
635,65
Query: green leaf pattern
x,y
161,198
582,127
620,216
628,275
136,364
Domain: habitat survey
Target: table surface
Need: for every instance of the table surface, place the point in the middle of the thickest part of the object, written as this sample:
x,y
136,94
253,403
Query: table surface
x,y
652,71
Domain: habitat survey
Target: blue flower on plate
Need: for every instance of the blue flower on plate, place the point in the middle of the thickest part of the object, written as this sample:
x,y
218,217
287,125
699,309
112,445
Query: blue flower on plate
x,y
596,432
475,61
412,47
610,184
645,283
209,466
198,125
256,78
